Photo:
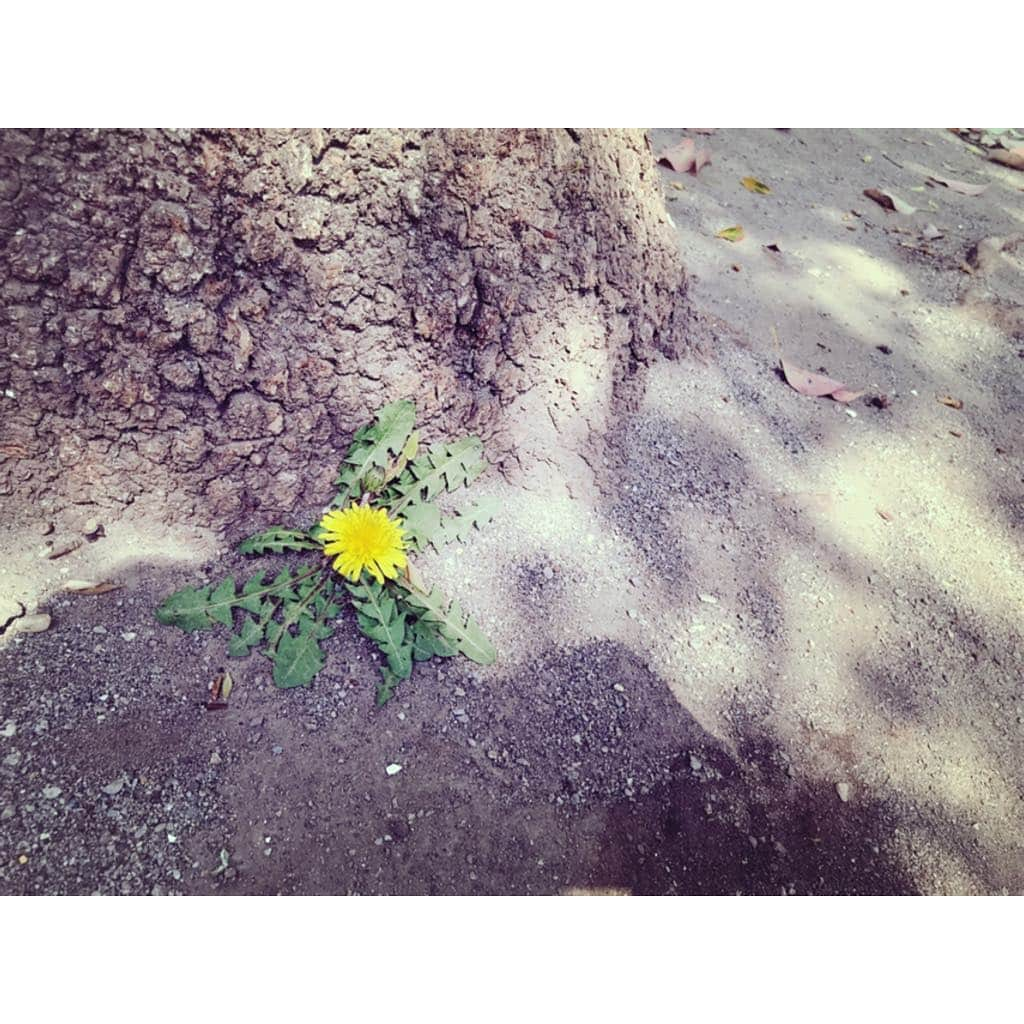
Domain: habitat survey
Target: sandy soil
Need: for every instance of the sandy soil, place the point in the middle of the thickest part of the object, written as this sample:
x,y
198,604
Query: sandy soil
x,y
779,651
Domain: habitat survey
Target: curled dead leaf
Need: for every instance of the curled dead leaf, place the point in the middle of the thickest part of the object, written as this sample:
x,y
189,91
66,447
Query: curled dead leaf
x,y
816,385
1009,158
963,187
90,587
949,400
889,201
685,156
220,689
733,234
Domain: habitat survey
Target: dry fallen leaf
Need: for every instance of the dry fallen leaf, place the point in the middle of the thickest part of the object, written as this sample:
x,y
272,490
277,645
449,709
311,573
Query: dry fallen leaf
x,y
220,689
816,385
885,515
753,185
889,201
1010,158
953,403
685,156
963,187
89,587
733,234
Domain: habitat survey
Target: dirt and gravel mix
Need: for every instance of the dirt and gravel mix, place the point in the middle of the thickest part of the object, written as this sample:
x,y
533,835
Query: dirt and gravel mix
x,y
776,648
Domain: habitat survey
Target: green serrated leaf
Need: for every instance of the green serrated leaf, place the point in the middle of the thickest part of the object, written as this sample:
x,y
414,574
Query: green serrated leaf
x,y
374,445
421,523
186,609
460,526
378,618
252,594
298,657
445,467
386,687
429,642
276,540
222,601
246,639
461,630
199,608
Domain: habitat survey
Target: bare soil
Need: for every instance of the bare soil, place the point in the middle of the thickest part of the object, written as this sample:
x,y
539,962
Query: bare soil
x,y
761,646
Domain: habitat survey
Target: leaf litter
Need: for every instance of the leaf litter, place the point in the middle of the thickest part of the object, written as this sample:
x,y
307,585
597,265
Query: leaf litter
x,y
889,201
685,156
817,385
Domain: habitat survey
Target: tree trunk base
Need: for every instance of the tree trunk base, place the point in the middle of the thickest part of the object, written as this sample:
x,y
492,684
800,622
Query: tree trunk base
x,y
197,321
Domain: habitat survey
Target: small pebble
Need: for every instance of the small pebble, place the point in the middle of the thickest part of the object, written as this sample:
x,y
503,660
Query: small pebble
x,y
843,789
32,623
52,792
393,769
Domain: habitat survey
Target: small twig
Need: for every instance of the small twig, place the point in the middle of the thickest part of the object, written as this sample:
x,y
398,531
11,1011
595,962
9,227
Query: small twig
x,y
895,163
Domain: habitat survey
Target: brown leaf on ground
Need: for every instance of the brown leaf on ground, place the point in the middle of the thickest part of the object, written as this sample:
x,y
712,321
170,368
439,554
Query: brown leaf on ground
x,y
733,234
88,587
889,201
816,385
963,187
220,690
685,156
953,403
1010,157
753,185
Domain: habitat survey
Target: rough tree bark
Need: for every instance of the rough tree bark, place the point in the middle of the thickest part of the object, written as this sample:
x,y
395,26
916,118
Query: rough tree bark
x,y
199,319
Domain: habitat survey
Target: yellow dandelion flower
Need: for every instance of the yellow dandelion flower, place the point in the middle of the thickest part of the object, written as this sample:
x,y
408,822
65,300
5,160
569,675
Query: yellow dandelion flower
x,y
364,538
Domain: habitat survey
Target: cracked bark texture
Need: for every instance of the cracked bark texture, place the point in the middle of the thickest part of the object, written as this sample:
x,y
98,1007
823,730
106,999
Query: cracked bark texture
x,y
198,320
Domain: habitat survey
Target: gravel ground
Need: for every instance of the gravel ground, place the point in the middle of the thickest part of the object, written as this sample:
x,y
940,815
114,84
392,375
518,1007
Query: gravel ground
x,y
779,652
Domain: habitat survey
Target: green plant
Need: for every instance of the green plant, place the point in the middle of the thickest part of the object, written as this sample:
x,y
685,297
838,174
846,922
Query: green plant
x,y
386,497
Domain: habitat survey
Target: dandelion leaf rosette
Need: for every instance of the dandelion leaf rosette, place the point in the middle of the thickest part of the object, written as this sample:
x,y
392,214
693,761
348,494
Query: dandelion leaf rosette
x,y
385,509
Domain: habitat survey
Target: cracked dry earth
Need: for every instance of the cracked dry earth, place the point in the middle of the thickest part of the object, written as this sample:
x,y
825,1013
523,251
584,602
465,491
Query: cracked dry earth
x,y
779,652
